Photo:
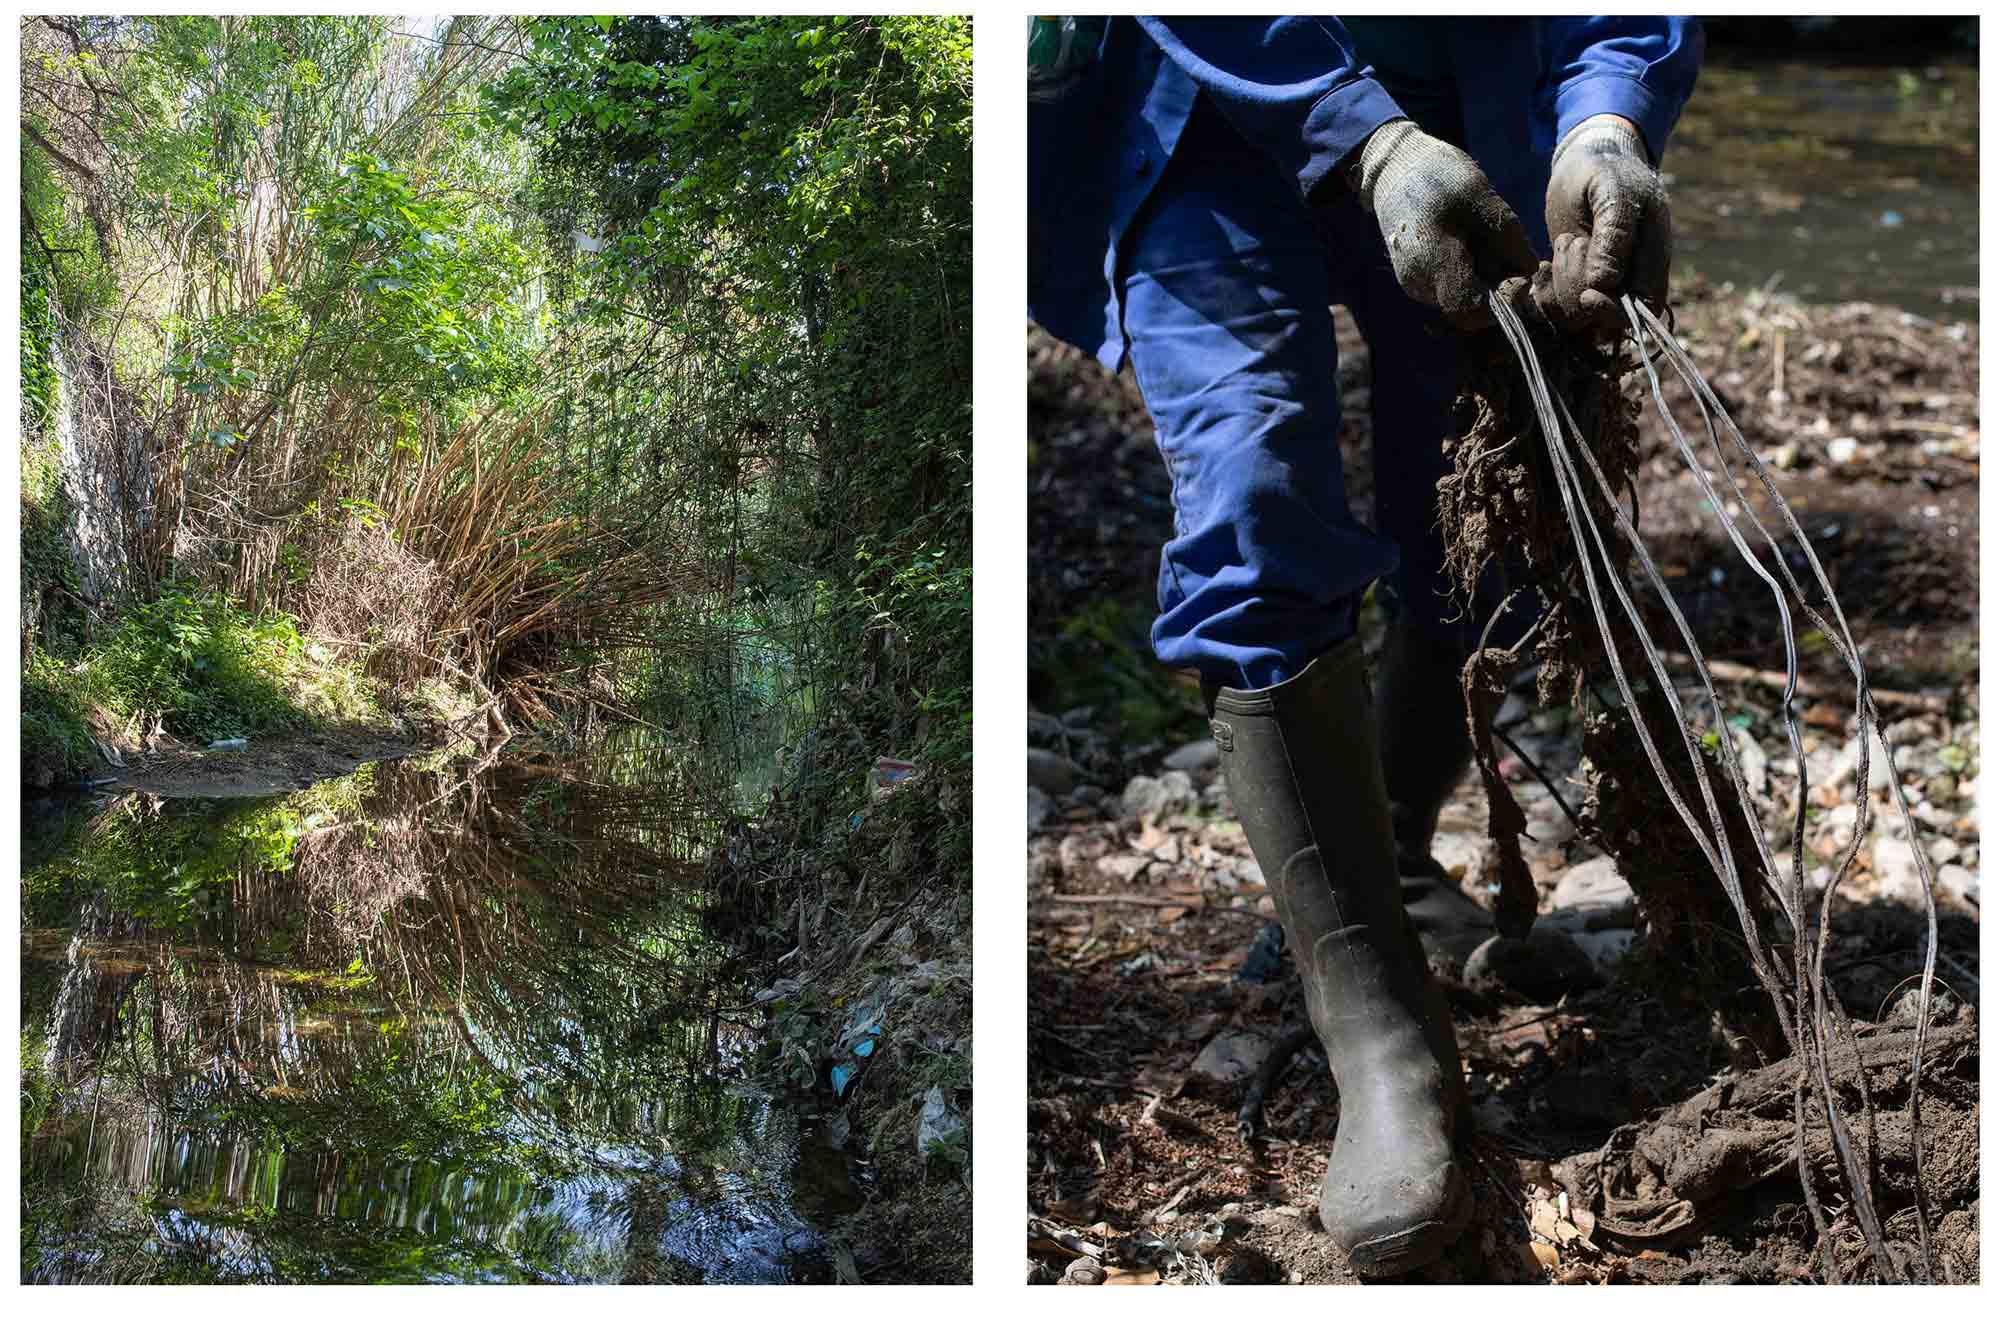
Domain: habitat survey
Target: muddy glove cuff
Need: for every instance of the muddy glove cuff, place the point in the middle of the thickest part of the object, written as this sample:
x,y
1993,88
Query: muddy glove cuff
x,y
1609,222
1451,238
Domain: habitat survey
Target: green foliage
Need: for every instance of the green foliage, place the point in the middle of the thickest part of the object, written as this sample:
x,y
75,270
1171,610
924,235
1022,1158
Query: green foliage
x,y
749,180
53,706
207,669
169,872
38,333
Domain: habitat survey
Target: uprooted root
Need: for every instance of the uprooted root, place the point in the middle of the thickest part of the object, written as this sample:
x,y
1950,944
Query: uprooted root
x,y
1668,1183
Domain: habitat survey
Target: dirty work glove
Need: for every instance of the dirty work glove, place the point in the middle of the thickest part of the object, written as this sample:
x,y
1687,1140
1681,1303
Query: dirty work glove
x,y
1451,239
1607,215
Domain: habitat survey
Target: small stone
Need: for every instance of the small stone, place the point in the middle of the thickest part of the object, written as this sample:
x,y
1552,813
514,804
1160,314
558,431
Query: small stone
x,y
1960,881
1077,718
1542,966
1785,457
1843,450
1848,763
1941,788
1231,1057
1043,729
1751,757
1606,948
1040,808
1943,850
1193,757
1051,772
1088,794
1157,796
1124,867
1596,886
1896,872
1462,854
1084,1270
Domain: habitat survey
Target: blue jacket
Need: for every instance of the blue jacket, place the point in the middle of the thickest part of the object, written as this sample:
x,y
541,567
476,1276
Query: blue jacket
x,y
1306,93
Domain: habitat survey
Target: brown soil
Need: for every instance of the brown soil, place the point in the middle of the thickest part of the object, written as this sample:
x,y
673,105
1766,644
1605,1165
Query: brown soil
x,y
1128,1143
1135,1162
266,767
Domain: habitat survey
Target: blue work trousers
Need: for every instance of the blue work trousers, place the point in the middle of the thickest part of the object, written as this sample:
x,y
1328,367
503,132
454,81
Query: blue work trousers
x,y
1227,278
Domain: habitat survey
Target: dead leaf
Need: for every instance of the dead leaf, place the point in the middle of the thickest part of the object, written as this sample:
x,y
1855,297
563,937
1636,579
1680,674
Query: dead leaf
x,y
1544,1253
1543,1219
1115,1275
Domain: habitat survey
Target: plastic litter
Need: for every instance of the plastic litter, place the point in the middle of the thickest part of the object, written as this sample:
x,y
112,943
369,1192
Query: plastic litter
x,y
229,745
937,1124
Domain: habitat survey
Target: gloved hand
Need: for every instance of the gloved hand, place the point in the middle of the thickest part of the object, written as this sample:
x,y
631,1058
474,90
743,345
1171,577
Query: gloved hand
x,y
1607,214
1451,239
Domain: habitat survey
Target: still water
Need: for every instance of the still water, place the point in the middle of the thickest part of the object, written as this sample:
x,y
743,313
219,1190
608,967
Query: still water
x,y
446,1020
1832,181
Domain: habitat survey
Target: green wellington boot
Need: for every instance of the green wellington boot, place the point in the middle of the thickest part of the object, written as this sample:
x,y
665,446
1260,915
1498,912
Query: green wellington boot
x,y
1426,750
1303,771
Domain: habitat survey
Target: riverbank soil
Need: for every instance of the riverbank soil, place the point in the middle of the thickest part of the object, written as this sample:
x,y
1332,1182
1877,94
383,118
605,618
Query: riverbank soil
x,y
1619,1135
266,767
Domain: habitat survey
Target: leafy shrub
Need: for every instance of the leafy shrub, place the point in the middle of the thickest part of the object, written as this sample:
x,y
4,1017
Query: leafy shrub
x,y
202,666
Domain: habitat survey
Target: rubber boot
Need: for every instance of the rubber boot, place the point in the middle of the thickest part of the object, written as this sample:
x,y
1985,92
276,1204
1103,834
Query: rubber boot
x,y
1304,773
1426,750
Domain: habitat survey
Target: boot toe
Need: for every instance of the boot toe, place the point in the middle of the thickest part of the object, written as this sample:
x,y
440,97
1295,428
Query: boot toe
x,y
1394,1223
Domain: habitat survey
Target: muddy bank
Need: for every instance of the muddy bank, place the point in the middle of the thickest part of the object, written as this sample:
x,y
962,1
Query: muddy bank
x,y
266,767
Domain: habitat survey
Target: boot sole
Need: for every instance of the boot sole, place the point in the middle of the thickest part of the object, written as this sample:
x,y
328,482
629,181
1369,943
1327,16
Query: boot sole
x,y
1399,1253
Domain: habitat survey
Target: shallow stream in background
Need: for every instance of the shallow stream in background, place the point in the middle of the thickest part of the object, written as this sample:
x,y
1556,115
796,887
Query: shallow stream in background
x,y
1842,182
441,1020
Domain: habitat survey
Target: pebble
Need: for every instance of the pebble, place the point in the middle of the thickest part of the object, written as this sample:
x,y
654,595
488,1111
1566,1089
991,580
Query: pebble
x,y
1595,887
1841,451
1040,807
1084,1270
1606,948
1124,867
1193,757
1849,761
1751,757
1051,772
1960,881
1542,966
1231,1057
1896,868
1943,850
1157,796
1043,728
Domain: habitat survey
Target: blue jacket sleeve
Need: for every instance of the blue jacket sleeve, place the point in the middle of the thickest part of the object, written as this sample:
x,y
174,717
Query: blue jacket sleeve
x,y
1642,68
1293,87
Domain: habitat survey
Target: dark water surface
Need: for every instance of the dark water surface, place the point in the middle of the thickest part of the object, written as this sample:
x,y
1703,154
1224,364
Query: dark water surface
x,y
438,1021
1841,181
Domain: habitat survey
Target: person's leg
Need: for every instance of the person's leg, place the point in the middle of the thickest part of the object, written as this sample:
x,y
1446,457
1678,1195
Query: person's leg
x,y
1415,366
1231,337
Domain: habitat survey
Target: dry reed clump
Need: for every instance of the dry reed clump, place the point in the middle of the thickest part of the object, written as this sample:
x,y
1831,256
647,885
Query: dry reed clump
x,y
368,593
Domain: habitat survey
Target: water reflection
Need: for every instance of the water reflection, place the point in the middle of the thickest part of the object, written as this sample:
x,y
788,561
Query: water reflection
x,y
464,1021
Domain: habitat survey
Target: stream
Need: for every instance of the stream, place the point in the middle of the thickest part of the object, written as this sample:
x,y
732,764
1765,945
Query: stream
x,y
1832,181
442,1020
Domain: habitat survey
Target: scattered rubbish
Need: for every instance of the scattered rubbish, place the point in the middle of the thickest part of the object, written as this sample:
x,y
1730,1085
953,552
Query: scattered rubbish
x,y
229,745
887,774
938,1125
856,1045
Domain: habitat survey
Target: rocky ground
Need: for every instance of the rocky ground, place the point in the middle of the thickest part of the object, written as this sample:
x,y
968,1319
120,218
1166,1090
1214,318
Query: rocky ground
x,y
1156,990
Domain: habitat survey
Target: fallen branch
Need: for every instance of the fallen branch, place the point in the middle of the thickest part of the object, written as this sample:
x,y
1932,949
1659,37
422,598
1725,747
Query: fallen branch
x,y
1731,672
